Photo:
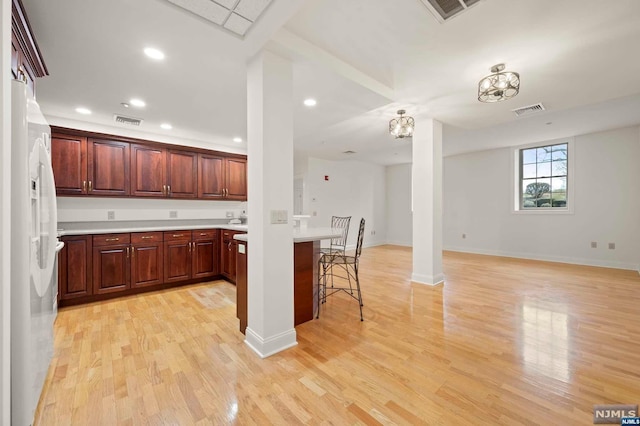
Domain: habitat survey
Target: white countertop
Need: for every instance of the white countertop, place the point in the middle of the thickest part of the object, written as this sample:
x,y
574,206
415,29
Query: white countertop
x,y
142,228
305,235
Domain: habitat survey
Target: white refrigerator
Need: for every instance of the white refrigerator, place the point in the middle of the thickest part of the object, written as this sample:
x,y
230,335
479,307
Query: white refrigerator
x,y
34,247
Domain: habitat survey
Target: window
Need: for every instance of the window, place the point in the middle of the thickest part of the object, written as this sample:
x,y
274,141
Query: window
x,y
543,178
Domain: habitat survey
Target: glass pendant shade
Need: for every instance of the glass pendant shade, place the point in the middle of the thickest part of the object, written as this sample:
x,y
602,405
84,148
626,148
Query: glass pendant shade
x,y
499,86
401,127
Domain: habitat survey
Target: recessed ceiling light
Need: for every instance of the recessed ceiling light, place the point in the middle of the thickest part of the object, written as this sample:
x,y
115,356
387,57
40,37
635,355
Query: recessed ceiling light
x,y
82,110
137,103
124,104
166,126
310,102
237,140
154,53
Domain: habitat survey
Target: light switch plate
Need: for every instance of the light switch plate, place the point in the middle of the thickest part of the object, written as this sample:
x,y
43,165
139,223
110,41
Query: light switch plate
x,y
279,217
173,214
111,215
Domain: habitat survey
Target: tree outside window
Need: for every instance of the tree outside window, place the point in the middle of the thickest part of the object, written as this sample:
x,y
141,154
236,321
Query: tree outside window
x,y
543,177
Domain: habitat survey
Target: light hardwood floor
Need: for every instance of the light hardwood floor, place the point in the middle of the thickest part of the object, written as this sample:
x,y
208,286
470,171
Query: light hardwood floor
x,y
504,341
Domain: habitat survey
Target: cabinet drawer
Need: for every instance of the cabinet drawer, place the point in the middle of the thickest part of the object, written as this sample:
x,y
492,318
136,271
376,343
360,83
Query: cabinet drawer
x,y
228,235
111,239
205,234
177,235
146,237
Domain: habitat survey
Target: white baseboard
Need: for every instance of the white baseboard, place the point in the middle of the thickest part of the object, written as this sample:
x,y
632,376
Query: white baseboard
x,y
432,280
399,243
366,245
546,258
271,345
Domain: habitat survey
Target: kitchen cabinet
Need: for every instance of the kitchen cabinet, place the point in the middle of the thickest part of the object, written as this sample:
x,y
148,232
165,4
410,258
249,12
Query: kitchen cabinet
x,y
69,161
26,59
221,178
111,265
228,255
74,268
236,179
148,171
108,167
83,166
182,175
205,258
147,259
190,255
177,256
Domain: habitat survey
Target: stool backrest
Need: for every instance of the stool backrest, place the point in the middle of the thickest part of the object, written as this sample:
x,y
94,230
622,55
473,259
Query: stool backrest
x,y
360,238
342,223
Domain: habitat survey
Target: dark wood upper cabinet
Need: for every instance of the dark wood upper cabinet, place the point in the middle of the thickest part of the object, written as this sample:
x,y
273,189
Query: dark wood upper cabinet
x,y
26,59
69,161
108,171
182,175
148,171
210,177
74,268
236,178
95,164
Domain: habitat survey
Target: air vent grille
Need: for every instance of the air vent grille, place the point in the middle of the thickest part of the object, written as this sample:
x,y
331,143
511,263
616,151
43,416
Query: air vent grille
x,y
528,110
447,9
130,121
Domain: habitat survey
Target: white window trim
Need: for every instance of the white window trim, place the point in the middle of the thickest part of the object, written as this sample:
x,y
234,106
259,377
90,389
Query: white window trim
x,y
515,179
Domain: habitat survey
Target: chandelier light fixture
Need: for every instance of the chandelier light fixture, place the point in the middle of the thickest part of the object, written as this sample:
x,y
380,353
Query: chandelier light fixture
x,y
401,127
499,86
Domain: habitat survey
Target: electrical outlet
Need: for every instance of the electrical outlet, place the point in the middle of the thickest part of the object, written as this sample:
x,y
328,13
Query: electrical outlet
x,y
111,215
612,246
464,236
173,214
279,217
594,244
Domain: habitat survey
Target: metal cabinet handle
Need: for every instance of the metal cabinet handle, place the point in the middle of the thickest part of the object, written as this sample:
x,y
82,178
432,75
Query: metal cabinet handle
x,y
202,234
22,74
112,239
84,186
164,189
177,235
127,251
169,190
90,186
147,237
133,252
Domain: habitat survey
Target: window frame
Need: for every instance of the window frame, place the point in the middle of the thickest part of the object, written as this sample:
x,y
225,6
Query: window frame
x,y
516,174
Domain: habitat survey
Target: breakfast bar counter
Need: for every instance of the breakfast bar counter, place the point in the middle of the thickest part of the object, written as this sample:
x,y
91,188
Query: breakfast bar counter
x,y
306,253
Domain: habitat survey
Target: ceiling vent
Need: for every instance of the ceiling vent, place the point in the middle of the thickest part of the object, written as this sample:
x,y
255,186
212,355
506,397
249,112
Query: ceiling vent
x,y
528,110
127,120
443,10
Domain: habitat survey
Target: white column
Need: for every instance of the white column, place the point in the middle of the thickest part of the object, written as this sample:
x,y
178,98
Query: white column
x,y
5,211
427,202
270,151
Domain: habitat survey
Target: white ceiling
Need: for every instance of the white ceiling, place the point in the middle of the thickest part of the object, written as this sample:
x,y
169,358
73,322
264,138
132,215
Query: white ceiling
x,y
576,56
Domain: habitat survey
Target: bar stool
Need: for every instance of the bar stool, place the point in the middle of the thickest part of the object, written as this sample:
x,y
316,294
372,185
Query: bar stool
x,y
350,265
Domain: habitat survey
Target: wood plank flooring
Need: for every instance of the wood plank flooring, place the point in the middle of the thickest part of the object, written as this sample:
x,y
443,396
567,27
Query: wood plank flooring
x,y
504,341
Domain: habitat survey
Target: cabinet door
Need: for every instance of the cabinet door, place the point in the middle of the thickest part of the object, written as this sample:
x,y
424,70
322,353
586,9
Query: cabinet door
x,y
146,264
74,267
236,179
108,171
15,54
210,176
182,174
111,268
69,161
205,254
228,256
241,285
148,171
177,261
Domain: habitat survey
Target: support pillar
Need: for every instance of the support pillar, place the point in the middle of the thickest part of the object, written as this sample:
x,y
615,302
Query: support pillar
x,y
427,202
270,326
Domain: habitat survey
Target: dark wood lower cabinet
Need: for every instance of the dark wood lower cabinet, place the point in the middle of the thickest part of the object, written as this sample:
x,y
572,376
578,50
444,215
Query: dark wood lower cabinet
x,y
111,268
95,267
228,255
74,268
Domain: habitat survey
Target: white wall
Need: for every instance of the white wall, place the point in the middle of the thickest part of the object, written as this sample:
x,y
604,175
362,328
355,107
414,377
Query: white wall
x,y
5,210
477,202
354,189
95,209
399,216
